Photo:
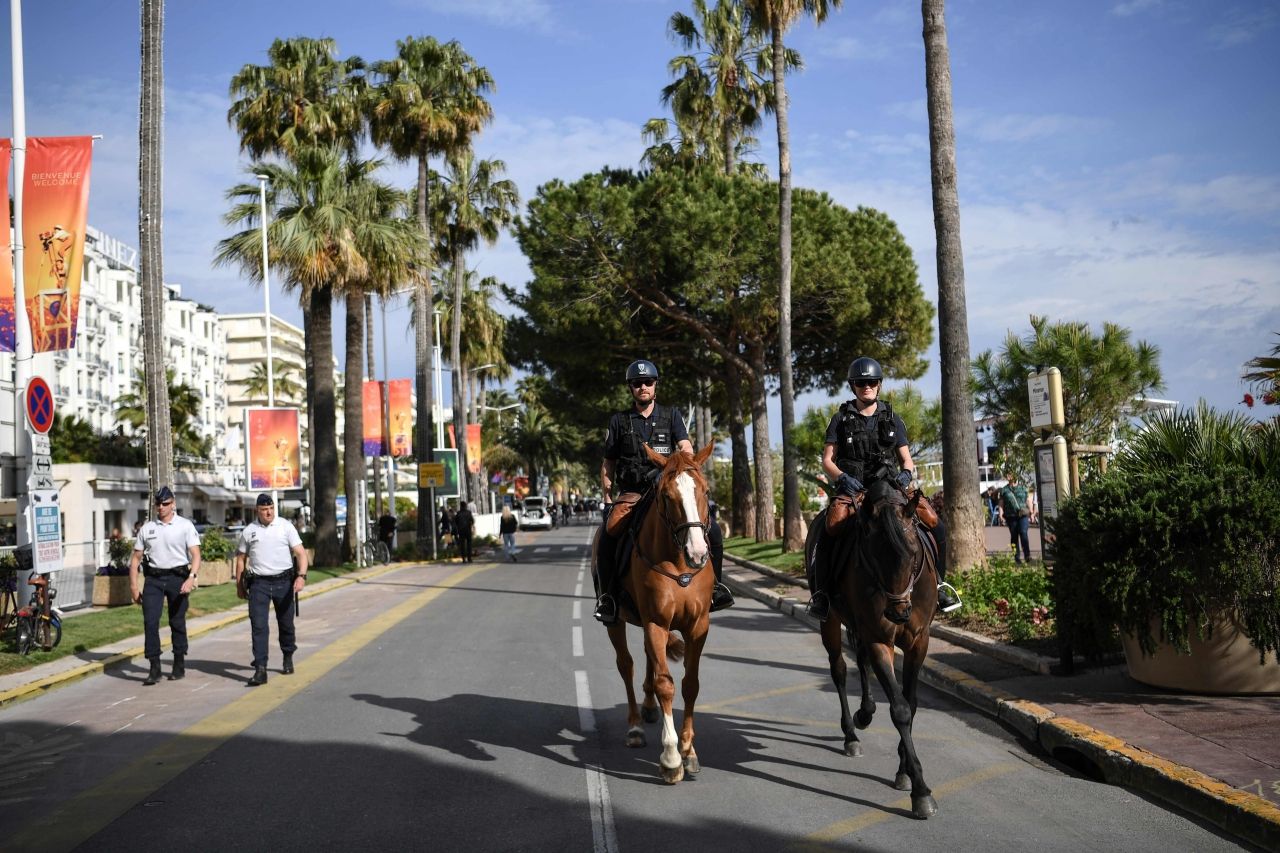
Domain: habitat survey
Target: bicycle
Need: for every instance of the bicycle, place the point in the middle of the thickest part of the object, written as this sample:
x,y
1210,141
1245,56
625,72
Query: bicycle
x,y
376,551
8,599
39,623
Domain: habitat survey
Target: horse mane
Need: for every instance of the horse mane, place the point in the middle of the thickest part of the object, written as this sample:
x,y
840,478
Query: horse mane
x,y
879,515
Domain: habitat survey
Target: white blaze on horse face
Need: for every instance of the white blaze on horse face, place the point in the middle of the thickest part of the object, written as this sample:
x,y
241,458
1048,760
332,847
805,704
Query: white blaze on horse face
x,y
696,548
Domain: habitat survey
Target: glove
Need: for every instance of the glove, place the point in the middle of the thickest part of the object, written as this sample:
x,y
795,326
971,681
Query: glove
x,y
905,477
847,485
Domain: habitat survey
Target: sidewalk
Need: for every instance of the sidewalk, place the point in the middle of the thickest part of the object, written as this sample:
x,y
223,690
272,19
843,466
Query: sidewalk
x,y
1216,757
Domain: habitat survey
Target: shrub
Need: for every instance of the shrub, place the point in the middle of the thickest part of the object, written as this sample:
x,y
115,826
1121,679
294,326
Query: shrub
x,y
120,551
1016,595
214,545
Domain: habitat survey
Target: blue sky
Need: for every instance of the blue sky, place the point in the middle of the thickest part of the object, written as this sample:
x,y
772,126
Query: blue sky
x,y
1116,158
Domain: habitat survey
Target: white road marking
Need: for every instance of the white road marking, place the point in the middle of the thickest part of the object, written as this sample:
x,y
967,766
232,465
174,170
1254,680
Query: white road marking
x,y
604,836
577,609
122,701
577,638
130,723
586,714
202,687
541,550
577,590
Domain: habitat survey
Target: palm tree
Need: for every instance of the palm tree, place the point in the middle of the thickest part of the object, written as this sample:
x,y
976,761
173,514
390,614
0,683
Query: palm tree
x,y
284,379
428,100
966,541
539,440
151,243
184,414
475,204
1263,373
775,17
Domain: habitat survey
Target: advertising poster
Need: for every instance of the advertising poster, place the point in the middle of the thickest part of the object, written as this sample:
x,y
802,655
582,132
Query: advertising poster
x,y
473,448
55,211
272,452
449,456
7,339
372,409
400,396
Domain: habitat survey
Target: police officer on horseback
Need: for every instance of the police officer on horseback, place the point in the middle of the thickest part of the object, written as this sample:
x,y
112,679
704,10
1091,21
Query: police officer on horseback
x,y
865,439
628,473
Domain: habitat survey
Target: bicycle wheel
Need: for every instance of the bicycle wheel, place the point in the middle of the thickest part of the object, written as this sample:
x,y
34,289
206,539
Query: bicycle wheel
x,y
366,550
48,633
381,553
26,634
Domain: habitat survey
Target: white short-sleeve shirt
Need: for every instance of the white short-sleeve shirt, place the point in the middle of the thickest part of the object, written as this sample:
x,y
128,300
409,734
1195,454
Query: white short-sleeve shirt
x,y
269,546
165,545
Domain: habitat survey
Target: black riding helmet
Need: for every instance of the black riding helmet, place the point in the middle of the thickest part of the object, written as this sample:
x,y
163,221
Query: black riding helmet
x,y
865,369
642,369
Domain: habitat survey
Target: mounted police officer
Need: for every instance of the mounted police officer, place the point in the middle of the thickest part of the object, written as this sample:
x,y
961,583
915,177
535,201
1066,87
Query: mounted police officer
x,y
265,574
628,473
168,549
864,438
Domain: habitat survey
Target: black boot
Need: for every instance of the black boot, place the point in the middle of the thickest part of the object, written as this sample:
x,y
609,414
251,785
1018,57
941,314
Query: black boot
x,y
287,668
179,668
820,606
606,609
259,676
721,597
607,604
947,598
153,677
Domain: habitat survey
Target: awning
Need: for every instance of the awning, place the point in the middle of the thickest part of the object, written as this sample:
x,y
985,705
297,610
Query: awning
x,y
216,493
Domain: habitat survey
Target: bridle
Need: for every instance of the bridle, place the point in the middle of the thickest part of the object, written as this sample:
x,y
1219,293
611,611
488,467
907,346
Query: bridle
x,y
675,531
896,599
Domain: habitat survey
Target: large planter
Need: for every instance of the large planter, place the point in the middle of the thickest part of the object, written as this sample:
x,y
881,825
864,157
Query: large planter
x,y
214,572
1225,663
111,590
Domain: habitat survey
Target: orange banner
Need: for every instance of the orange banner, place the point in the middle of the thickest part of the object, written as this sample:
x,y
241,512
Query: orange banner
x,y
7,341
400,400
473,448
55,212
373,444
272,452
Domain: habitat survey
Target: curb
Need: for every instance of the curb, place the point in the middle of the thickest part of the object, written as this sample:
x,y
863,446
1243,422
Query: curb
x,y
51,682
1238,813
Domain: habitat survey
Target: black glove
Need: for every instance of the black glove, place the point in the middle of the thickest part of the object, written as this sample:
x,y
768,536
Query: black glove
x,y
847,485
905,476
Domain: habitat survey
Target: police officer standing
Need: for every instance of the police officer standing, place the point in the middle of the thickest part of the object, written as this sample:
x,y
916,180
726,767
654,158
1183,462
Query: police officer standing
x,y
168,550
264,573
627,470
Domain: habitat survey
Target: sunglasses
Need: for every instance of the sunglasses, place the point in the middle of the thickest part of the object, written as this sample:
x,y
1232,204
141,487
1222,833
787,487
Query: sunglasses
x,y
642,383
164,503
866,383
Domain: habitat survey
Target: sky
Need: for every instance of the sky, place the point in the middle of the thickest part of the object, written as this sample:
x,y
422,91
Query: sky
x,y
1116,157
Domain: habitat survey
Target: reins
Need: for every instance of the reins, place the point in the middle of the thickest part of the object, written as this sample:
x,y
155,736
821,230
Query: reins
x,y
895,597
684,578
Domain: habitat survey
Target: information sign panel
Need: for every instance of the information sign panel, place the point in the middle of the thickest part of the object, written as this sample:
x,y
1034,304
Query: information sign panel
x,y
46,531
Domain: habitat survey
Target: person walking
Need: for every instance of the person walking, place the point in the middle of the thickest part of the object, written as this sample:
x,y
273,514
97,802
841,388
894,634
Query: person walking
x,y
464,525
168,550
265,574
446,531
508,527
387,530
1013,502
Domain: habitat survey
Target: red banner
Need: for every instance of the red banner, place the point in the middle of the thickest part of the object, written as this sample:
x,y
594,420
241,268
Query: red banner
x,y
55,212
372,399
7,342
271,448
473,448
400,401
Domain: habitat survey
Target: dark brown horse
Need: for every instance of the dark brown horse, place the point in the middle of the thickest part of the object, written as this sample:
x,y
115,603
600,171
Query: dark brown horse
x,y
886,596
667,591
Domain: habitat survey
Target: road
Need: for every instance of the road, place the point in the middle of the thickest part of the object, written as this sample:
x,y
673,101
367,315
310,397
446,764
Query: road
x,y
478,707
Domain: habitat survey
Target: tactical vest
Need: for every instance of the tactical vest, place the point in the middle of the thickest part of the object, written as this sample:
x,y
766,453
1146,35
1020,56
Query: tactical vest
x,y
861,451
634,467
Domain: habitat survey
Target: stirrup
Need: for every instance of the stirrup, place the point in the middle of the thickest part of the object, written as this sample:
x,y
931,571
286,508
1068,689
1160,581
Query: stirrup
x,y
606,610
820,606
948,598
721,597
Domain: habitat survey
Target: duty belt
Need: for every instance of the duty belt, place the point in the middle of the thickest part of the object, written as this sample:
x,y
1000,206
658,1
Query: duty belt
x,y
154,572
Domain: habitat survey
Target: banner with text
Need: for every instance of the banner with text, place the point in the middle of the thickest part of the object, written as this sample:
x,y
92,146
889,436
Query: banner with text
x,y
372,411
473,448
7,341
55,212
400,397
271,448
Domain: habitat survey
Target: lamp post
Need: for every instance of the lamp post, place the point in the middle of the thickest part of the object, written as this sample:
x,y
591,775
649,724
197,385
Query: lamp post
x,y
266,302
479,485
501,409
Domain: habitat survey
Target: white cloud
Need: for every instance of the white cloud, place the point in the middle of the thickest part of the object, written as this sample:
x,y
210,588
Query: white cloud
x,y
507,13
851,48
1135,7
1022,127
1242,27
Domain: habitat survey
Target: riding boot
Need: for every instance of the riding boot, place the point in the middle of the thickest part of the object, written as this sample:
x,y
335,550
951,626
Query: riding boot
x,y
820,602
721,595
179,668
606,611
153,677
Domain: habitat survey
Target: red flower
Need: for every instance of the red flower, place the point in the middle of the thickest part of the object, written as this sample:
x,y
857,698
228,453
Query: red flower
x,y
1002,607
1248,400
1270,398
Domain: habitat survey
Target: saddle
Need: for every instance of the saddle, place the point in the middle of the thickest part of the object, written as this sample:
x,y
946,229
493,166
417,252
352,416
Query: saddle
x,y
834,540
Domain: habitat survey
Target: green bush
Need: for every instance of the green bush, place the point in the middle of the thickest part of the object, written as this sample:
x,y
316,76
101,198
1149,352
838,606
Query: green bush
x,y
120,551
1018,596
214,545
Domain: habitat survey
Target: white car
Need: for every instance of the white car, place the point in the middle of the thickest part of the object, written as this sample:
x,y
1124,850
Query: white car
x,y
534,515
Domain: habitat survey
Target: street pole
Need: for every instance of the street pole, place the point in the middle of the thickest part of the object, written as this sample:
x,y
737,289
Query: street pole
x,y
266,302
22,355
386,417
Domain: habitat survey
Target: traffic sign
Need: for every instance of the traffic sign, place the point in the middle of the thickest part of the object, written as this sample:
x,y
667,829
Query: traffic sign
x,y
40,445
46,531
39,481
39,399
42,464
431,475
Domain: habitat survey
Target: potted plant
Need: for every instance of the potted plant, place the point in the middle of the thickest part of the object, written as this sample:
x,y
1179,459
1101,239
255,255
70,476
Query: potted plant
x,y
216,553
111,582
1178,548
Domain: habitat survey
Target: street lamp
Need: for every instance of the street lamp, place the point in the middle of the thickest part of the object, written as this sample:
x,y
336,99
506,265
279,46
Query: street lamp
x,y
501,409
266,308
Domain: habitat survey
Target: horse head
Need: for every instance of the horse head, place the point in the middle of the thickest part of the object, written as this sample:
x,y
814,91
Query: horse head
x,y
887,549
682,501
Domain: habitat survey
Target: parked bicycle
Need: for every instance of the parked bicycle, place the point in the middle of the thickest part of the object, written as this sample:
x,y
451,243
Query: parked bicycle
x,y
8,599
39,624
376,551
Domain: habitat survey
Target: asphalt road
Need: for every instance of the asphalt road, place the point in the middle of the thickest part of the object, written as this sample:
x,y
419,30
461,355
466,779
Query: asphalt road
x,y
478,708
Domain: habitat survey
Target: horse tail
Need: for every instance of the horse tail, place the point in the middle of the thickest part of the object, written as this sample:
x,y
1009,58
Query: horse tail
x,y
675,647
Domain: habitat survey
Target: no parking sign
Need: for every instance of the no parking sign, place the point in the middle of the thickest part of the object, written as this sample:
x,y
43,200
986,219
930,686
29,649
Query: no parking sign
x,y
39,400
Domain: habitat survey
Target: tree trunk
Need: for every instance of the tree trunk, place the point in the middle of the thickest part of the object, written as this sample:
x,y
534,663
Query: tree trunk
x,y
309,378
353,462
324,452
793,536
743,511
459,371
966,540
760,450
151,244
373,374
424,373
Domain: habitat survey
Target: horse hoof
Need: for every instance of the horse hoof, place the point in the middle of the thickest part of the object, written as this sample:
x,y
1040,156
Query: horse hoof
x,y
691,765
635,737
924,807
649,715
861,719
672,775
903,783
853,749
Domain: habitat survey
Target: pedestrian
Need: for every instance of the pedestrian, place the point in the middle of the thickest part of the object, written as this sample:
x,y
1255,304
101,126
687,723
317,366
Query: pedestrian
x,y
446,531
387,530
168,550
1013,502
993,506
464,525
508,527
265,573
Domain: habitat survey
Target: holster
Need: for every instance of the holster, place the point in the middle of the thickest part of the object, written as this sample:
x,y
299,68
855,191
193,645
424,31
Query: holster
x,y
925,512
841,509
623,504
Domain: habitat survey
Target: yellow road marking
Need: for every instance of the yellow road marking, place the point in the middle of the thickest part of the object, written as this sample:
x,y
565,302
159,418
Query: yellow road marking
x,y
845,827
80,818
752,697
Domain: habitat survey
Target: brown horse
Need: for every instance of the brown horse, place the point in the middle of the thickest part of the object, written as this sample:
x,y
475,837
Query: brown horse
x,y
669,591
886,597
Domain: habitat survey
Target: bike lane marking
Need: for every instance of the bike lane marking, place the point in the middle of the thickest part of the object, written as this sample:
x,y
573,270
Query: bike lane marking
x,y
81,817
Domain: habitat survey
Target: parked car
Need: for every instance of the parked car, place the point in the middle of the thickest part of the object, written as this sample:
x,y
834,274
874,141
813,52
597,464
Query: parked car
x,y
534,514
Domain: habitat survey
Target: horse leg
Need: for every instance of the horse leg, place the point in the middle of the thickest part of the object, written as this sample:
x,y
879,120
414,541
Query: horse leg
x,y
689,690
626,668
839,677
922,803
867,710
655,642
649,709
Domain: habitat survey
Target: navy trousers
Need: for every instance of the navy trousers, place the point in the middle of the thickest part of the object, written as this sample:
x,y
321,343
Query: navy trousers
x,y
155,592
277,590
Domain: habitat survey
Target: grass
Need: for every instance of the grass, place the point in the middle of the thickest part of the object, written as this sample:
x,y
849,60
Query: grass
x,y
769,553
90,631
